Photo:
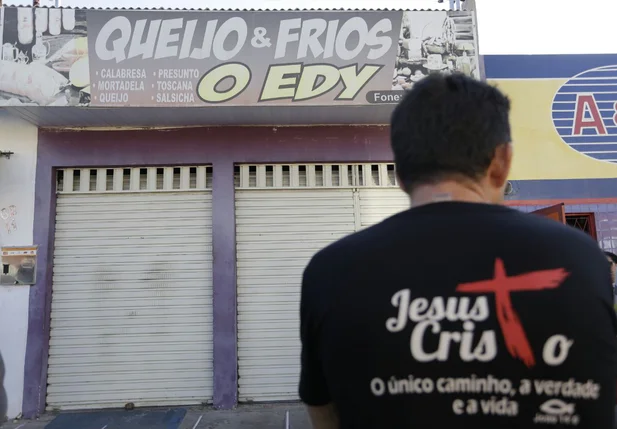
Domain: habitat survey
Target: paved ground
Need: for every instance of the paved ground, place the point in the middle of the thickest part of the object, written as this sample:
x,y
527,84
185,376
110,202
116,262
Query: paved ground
x,y
244,417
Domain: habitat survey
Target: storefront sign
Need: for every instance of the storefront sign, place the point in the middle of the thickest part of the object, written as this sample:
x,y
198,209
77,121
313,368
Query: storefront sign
x,y
193,59
564,114
18,265
585,113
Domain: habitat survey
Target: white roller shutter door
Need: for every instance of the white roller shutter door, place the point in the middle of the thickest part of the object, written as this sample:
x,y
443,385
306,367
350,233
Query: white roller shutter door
x,y
377,204
278,231
131,318
284,215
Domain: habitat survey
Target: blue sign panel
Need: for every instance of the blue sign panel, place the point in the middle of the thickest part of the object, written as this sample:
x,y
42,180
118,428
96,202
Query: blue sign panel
x,y
585,113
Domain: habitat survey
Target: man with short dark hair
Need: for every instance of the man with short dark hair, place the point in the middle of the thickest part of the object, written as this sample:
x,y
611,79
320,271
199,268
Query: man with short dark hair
x,y
517,331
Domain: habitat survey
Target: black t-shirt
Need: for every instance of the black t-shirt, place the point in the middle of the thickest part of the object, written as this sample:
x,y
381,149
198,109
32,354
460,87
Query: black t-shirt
x,y
458,315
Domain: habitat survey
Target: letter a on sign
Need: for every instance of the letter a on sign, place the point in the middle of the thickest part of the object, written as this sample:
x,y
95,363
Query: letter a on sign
x,y
584,104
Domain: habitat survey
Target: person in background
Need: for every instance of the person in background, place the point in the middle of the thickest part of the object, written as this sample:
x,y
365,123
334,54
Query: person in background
x,y
517,331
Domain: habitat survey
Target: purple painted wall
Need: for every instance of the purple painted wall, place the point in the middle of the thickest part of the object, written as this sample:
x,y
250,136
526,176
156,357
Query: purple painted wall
x,y
220,147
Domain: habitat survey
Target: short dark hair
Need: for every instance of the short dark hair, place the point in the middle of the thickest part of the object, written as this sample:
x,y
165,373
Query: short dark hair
x,y
612,257
448,126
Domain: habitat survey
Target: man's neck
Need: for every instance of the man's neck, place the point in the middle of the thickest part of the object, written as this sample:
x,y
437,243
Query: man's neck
x,y
448,191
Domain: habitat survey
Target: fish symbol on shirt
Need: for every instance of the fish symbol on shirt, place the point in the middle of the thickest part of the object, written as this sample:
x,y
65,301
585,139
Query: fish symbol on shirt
x,y
557,407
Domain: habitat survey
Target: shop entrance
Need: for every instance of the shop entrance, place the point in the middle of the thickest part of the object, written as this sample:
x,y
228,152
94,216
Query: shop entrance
x,y
131,313
284,215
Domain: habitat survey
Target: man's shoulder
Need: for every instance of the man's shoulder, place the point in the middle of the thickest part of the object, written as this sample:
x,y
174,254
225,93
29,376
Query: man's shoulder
x,y
551,231
542,234
543,240
522,229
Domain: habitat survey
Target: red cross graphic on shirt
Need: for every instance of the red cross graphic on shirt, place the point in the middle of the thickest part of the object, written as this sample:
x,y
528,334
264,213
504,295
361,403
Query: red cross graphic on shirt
x,y
502,285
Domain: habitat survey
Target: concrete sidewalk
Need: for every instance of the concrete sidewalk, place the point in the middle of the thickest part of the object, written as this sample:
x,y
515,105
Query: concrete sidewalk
x,y
244,417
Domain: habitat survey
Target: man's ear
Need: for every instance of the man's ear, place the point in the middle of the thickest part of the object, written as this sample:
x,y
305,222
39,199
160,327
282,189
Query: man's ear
x,y
500,167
